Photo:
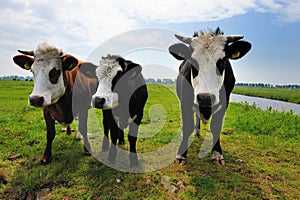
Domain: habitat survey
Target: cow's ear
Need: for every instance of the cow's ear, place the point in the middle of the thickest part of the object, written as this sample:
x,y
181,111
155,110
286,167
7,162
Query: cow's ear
x,y
132,70
69,62
238,49
88,69
23,61
180,51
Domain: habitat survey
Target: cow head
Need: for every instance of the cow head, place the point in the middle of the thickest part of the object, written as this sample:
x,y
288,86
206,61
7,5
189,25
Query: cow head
x,y
113,74
48,65
208,52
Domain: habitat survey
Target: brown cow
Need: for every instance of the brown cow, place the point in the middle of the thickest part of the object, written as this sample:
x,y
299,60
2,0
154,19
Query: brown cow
x,y
60,89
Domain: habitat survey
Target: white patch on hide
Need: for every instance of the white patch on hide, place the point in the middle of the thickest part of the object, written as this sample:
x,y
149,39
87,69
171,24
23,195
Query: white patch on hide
x,y
208,49
107,70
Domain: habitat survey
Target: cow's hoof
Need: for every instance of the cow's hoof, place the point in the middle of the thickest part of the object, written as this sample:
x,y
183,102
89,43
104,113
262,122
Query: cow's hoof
x,y
181,160
215,162
222,162
68,130
134,162
218,162
217,158
121,142
79,136
45,161
87,152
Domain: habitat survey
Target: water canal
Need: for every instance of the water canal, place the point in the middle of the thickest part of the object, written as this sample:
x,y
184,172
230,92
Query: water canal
x,y
264,104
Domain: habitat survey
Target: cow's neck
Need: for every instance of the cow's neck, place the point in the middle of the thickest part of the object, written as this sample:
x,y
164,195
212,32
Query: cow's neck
x,y
61,111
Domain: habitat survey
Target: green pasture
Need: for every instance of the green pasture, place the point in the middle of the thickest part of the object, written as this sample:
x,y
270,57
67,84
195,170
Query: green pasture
x,y
261,150
289,95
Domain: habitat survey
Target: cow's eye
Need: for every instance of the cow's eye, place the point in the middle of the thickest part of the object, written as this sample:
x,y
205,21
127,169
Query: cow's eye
x,y
194,72
54,75
40,60
116,79
220,66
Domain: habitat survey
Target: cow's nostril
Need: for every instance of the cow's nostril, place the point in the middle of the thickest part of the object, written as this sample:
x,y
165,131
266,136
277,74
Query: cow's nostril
x,y
206,99
98,102
36,101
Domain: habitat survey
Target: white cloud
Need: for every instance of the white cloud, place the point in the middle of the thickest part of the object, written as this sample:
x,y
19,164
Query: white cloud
x,y
268,6
179,11
75,27
66,23
286,11
80,26
291,12
94,21
91,21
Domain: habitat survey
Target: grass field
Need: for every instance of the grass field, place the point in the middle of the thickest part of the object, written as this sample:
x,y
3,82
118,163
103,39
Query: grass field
x,y
261,150
289,95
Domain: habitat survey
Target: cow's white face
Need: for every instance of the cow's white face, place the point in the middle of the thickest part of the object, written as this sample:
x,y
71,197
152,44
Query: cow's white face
x,y
47,64
207,79
48,77
108,73
208,52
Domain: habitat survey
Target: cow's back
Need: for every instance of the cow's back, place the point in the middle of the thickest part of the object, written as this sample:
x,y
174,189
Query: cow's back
x,y
82,89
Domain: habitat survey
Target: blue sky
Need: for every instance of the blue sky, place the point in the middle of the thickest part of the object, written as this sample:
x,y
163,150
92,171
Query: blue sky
x,y
79,27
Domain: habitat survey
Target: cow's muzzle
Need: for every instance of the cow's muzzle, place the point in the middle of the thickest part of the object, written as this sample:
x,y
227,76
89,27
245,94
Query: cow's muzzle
x,y
98,102
36,101
206,99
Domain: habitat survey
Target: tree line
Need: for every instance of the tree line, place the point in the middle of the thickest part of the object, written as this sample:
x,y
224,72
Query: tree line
x,y
16,78
267,85
171,81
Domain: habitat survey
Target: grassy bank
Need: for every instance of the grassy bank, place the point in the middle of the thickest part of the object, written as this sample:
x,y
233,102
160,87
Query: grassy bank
x,y
288,95
260,147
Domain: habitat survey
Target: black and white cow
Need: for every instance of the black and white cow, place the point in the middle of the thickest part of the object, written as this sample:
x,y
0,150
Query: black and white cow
x,y
205,82
60,89
122,95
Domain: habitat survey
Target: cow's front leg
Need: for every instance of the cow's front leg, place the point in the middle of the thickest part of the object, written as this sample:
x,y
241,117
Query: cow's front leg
x,y
114,134
50,125
216,127
82,128
183,148
217,157
107,118
132,138
121,137
123,124
105,144
187,130
197,127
